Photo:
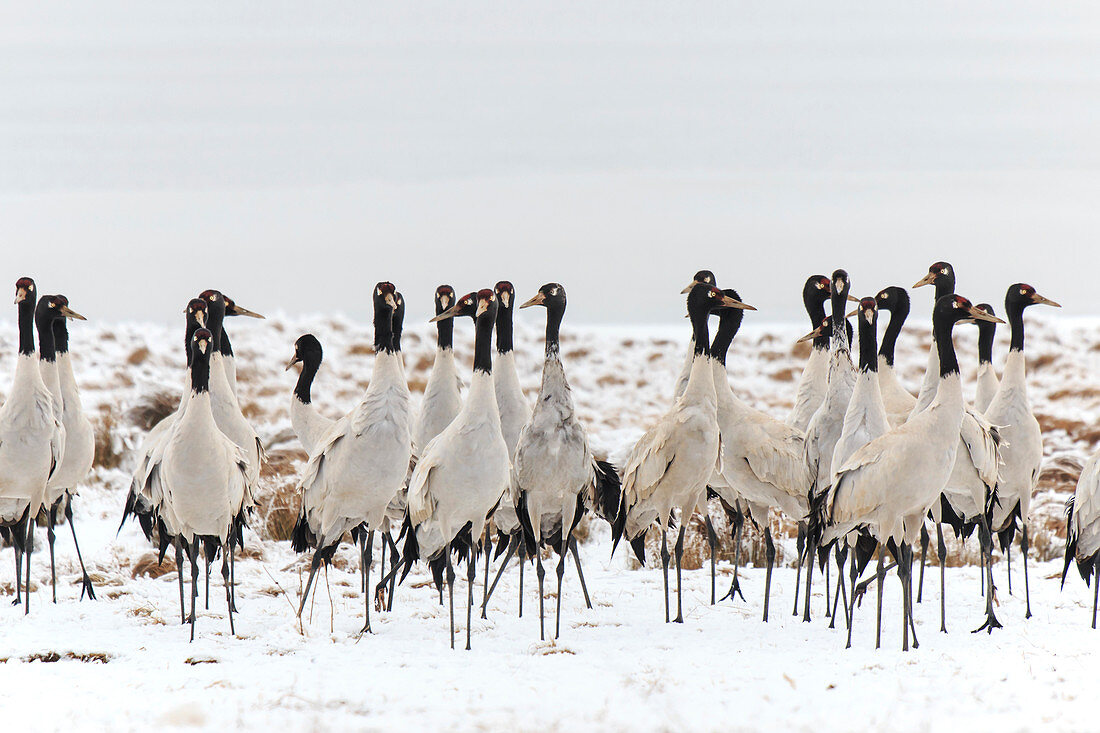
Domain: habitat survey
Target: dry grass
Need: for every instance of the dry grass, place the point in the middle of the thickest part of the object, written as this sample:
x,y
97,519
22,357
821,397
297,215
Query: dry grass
x,y
151,409
786,375
148,567
361,349
277,505
109,452
138,356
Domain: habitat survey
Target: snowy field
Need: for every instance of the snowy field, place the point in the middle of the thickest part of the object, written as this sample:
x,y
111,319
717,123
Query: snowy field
x,y
125,663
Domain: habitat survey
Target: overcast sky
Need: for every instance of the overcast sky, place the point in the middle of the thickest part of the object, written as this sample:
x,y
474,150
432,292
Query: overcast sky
x,y
293,154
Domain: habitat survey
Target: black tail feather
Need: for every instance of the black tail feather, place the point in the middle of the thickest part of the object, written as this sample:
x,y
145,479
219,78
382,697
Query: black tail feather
x,y
302,537
410,551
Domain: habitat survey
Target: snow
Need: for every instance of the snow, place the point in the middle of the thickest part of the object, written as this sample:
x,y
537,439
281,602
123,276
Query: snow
x,y
617,666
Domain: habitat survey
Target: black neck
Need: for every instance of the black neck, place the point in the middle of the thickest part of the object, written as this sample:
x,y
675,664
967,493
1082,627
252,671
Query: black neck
x,y
483,344
46,349
200,373
61,335
986,332
700,332
215,317
310,365
945,285
192,326
840,330
815,309
890,338
1014,312
504,329
868,354
729,321
445,331
945,347
554,315
383,330
225,348
26,325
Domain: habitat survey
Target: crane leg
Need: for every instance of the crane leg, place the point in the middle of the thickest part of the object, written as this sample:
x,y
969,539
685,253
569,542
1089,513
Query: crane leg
x,y
985,537
910,559
487,546
981,554
395,562
811,557
51,538
312,574
367,543
739,522
1095,586
1008,563
769,554
580,573
679,587
903,573
227,552
828,599
27,550
854,574
1027,590
471,578
18,570
193,551
522,562
233,576
561,575
450,577
179,574
880,573
87,581
800,547
207,564
712,543
924,540
381,566
941,549
540,573
500,571
664,565
840,554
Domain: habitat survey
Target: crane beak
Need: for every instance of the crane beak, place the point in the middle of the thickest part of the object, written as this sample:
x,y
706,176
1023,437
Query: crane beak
x,y
852,299
390,301
729,302
811,335
236,310
539,299
70,313
1040,300
853,313
292,362
449,313
926,280
692,285
979,315
20,295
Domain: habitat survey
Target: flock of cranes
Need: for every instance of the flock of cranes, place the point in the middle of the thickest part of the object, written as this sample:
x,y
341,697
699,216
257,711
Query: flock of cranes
x,y
860,463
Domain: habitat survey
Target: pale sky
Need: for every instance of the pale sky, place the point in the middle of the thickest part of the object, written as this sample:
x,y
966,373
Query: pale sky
x,y
293,154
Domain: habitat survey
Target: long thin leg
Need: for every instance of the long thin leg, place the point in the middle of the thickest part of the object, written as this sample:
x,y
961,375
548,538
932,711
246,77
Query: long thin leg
x,y
561,575
800,549
52,518
811,559
981,554
854,575
1027,589
1095,586
941,549
29,548
735,587
207,564
368,558
309,582
500,571
233,576
381,565
87,586
903,570
395,561
580,573
227,553
451,590
679,588
194,552
769,554
924,540
522,562
985,536
471,578
179,574
841,553
1008,563
487,547
828,600
910,559
879,575
541,574
18,568
712,542
664,565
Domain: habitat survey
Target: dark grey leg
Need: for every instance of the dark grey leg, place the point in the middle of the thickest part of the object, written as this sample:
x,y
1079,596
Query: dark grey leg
x,y
561,575
522,562
87,586
395,561
541,574
981,554
50,537
179,574
924,540
679,587
735,587
368,558
769,553
664,565
309,582
1095,586
910,559
471,578
451,590
1008,563
941,548
801,549
985,536
903,572
500,571
194,552
880,574
487,547
811,559
580,573
712,542
854,576
840,553
28,549
1027,589
207,564
227,552
18,568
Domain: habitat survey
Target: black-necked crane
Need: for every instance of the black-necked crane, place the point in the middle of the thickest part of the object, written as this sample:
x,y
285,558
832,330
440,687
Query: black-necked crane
x,y
30,442
896,398
705,277
888,485
762,464
309,424
1022,452
555,477
225,348
204,477
463,472
988,382
442,394
1083,529
815,375
359,466
670,465
79,439
78,444
828,421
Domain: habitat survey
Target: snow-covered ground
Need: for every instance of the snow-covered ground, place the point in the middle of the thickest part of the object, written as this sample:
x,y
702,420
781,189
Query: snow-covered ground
x,y
124,662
